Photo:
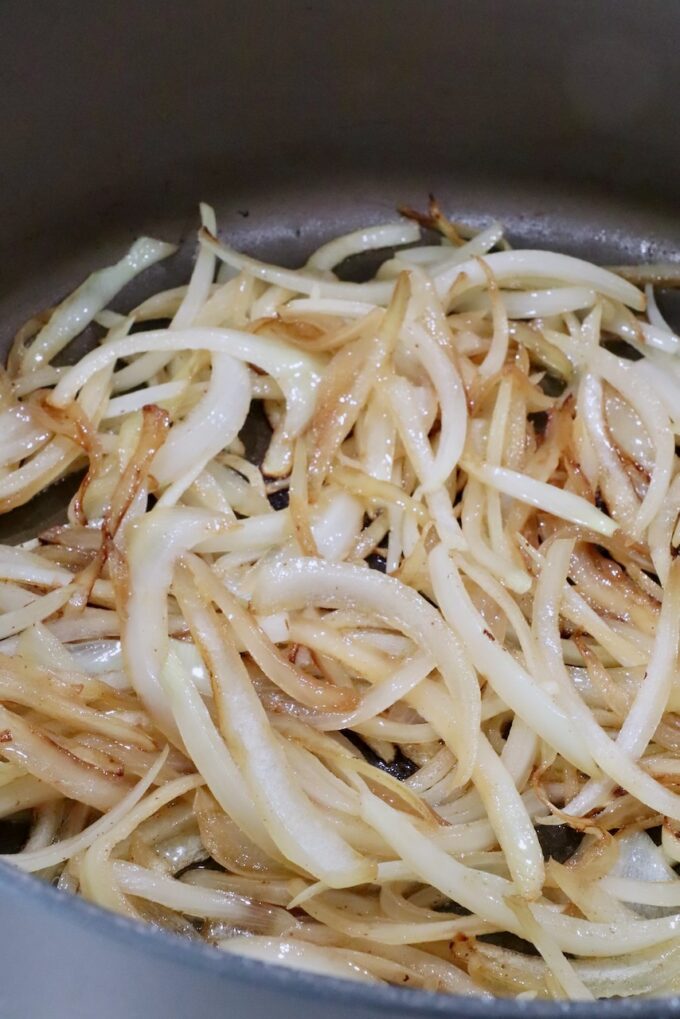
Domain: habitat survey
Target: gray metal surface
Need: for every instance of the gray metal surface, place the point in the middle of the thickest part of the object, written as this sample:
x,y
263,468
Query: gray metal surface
x,y
299,119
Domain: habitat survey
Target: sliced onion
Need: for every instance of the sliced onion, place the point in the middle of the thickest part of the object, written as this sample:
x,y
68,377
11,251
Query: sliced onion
x,y
46,760
38,859
389,235
298,582
296,826
542,265
547,497
78,310
210,426
154,545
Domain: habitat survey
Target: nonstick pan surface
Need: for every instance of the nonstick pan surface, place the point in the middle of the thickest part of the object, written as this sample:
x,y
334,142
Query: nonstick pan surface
x,y
298,120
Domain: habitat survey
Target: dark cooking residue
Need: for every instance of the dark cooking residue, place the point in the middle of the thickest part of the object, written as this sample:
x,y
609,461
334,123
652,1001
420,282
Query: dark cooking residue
x,y
13,834
256,433
558,841
279,500
504,939
401,767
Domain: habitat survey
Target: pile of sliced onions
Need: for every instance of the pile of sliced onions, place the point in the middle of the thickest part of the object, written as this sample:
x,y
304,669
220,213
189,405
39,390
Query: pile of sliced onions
x,y
321,708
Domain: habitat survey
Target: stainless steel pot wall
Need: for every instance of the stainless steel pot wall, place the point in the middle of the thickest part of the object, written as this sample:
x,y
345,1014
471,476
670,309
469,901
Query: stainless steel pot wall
x,y
297,119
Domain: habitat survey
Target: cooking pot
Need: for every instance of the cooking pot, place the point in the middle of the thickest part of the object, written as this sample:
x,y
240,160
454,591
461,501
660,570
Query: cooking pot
x,y
299,120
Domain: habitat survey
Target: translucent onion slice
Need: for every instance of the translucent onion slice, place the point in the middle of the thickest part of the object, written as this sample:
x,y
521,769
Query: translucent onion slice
x,y
541,265
651,700
388,235
299,281
654,417
298,955
510,680
155,543
484,894
193,900
452,406
210,754
296,583
561,969
547,497
45,691
96,873
38,859
79,309
273,663
298,828
210,426
46,760
296,372
611,758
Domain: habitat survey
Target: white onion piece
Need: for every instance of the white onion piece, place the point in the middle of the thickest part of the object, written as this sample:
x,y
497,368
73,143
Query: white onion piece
x,y
382,696
651,699
22,564
666,385
452,405
96,657
201,280
298,827
41,378
547,497
660,533
577,610
642,877
445,255
19,436
196,901
402,401
38,645
475,502
500,337
155,543
541,265
300,955
389,235
193,299
481,893
509,679
519,752
79,309
95,871
298,582
44,467
252,534
336,522
210,754
300,281
542,303
611,757
330,306
37,859
119,406
210,426
629,432
510,821
644,400
616,485
35,612
657,894
297,373
561,969
484,894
